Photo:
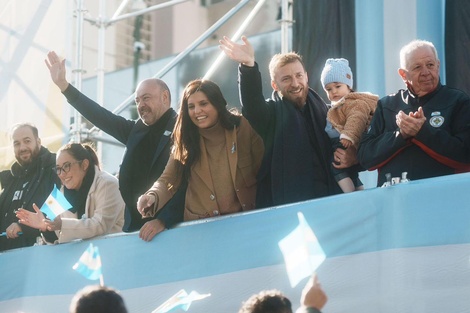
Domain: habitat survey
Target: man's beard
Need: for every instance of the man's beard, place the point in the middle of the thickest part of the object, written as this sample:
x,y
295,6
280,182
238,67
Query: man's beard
x,y
299,101
34,155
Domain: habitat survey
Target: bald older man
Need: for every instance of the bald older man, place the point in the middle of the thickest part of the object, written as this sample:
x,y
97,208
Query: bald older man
x,y
147,141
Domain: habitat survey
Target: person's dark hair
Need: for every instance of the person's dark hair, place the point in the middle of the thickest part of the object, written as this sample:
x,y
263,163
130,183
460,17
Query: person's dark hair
x,y
186,148
33,128
97,299
80,152
267,301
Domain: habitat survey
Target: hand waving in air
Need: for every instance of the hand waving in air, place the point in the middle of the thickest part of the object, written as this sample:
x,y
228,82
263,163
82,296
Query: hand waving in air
x,y
241,53
57,70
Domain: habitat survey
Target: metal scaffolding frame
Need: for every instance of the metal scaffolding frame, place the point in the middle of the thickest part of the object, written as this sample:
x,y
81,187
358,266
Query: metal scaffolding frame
x,y
102,23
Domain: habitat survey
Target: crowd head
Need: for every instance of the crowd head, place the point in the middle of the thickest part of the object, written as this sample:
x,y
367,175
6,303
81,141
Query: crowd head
x,y
97,299
267,301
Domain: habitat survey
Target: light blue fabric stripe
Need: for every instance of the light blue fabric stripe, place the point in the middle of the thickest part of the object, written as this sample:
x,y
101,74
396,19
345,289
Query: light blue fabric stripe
x,y
383,28
88,272
421,213
431,26
370,73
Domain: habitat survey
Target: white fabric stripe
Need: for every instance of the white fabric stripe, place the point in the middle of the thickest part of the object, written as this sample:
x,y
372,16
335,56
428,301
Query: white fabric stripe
x,y
418,280
54,205
399,28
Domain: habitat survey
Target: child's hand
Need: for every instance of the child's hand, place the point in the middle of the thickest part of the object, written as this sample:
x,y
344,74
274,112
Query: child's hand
x,y
346,143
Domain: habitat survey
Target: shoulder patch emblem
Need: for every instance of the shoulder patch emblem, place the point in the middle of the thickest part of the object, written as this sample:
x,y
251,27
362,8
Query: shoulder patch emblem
x,y
436,119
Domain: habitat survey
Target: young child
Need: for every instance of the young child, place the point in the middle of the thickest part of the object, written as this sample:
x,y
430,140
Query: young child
x,y
348,117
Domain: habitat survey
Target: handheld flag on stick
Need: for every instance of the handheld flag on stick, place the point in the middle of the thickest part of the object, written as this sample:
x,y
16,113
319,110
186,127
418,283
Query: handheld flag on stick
x,y
181,300
302,252
89,264
55,204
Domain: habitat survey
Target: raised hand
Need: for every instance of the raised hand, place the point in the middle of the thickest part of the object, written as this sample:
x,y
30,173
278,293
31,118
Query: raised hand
x,y
57,70
313,295
241,53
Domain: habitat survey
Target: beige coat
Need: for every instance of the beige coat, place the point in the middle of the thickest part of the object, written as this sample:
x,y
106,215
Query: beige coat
x,y
352,115
245,151
104,211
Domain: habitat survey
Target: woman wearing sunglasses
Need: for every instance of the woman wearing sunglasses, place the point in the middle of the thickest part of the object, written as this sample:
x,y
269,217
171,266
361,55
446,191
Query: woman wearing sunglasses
x,y
97,206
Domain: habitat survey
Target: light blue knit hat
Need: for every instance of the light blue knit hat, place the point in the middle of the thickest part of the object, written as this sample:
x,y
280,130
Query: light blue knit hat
x,y
337,71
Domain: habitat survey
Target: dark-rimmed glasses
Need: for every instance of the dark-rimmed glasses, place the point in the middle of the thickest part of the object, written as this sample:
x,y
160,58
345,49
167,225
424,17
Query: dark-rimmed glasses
x,y
65,168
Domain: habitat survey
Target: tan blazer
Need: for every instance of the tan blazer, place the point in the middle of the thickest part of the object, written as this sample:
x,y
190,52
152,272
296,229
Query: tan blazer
x,y
104,211
245,151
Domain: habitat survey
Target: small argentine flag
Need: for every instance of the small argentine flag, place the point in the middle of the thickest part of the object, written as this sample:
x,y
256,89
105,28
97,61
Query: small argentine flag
x,y
180,300
302,252
55,204
89,264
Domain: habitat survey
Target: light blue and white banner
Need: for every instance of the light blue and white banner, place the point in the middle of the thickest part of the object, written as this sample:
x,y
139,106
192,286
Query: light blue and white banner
x,y
405,248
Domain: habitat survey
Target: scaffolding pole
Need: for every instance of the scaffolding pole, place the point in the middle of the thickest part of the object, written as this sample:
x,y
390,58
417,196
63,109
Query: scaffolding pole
x,y
78,71
235,37
286,22
188,50
102,23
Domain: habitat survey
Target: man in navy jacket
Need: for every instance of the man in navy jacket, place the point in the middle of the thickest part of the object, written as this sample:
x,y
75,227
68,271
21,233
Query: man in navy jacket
x,y
296,164
147,140
423,130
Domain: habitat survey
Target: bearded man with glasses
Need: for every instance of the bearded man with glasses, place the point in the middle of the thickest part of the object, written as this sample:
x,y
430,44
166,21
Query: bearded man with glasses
x,y
30,180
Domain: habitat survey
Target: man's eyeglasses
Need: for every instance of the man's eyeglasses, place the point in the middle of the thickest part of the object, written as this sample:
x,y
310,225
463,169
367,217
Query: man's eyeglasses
x,y
65,168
